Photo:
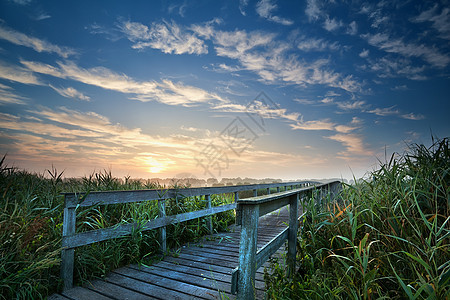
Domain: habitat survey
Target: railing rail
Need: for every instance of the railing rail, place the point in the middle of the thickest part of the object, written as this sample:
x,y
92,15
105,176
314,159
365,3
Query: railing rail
x,y
72,240
248,212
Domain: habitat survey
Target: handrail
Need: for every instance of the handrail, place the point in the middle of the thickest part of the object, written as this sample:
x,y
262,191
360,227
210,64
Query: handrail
x,y
72,201
248,212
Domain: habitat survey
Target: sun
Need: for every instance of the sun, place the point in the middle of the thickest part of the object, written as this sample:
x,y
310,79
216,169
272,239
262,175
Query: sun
x,y
157,165
156,169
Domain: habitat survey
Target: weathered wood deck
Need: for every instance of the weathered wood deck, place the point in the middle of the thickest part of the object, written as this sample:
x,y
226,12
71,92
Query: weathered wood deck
x,y
199,270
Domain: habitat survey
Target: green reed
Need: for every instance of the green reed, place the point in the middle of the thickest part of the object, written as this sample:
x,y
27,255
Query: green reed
x,y
31,215
387,237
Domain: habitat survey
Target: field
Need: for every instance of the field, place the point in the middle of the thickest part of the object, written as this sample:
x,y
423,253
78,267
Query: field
x,y
31,215
387,238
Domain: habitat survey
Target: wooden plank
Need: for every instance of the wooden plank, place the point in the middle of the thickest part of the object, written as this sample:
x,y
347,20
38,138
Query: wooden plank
x,y
57,297
80,293
210,267
168,283
146,287
116,197
94,236
210,255
116,291
200,281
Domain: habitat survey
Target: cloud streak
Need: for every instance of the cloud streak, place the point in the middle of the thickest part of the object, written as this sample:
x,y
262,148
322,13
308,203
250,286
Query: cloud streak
x,y
165,91
265,8
36,44
167,37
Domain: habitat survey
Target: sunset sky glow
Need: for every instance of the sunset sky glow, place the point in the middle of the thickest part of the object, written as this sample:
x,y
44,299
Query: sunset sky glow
x,y
279,89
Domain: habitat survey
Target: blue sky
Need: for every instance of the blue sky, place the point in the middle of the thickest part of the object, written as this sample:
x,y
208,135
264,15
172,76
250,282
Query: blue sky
x,y
281,89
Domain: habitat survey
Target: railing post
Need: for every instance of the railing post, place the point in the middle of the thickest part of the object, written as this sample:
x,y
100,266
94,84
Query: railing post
x,y
292,233
268,191
255,193
278,189
162,230
68,255
209,219
247,252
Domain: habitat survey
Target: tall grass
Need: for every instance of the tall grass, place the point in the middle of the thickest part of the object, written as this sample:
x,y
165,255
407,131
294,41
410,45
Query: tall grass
x,y
387,238
31,215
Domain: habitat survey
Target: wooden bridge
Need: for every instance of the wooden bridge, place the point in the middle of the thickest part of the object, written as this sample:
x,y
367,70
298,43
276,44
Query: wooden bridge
x,y
221,266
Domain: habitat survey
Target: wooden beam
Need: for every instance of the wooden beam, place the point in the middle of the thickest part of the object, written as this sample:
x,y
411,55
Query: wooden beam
x,y
68,254
94,236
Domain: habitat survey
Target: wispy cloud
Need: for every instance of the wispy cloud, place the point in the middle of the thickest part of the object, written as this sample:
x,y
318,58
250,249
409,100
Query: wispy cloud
x,y
317,44
440,20
350,105
260,53
70,92
313,9
265,8
353,144
314,125
412,116
332,24
17,74
165,91
386,67
364,53
38,45
242,6
352,28
167,37
387,111
7,96
430,54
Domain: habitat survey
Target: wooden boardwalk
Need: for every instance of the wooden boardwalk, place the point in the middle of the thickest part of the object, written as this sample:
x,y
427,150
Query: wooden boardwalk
x,y
199,270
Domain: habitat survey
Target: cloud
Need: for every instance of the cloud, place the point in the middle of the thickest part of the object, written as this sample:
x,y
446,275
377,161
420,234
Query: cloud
x,y
352,105
440,21
313,10
315,44
22,2
42,16
429,54
259,108
70,92
72,136
314,125
332,24
18,74
352,28
364,53
412,116
264,9
391,111
165,91
38,45
388,111
7,96
112,34
167,37
353,145
305,101
260,53
242,6
386,67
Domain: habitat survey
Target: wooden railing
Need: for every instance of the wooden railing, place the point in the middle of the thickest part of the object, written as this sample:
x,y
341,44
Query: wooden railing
x,y
72,240
248,212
